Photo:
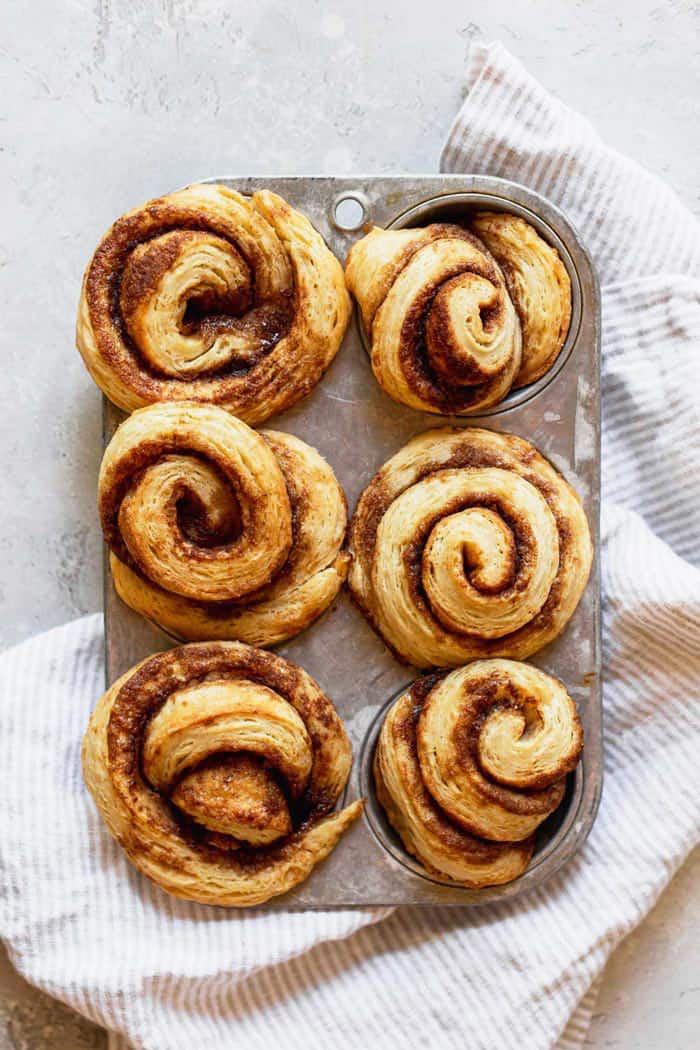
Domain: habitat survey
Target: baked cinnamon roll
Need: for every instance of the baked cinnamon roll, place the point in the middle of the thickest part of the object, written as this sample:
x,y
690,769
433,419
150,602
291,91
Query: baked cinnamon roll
x,y
466,544
217,767
469,764
207,295
218,531
458,317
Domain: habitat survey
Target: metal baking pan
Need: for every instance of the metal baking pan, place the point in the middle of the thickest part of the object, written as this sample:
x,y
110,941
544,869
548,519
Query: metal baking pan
x,y
357,427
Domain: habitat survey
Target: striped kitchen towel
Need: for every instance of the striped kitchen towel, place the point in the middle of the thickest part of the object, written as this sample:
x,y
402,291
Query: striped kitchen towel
x,y
163,974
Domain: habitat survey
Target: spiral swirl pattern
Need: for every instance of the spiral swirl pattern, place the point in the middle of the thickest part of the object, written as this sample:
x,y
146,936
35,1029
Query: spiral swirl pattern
x,y
211,296
469,764
466,544
216,767
217,531
456,320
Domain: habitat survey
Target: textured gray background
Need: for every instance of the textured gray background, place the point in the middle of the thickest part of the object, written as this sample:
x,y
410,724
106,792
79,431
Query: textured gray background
x,y
105,104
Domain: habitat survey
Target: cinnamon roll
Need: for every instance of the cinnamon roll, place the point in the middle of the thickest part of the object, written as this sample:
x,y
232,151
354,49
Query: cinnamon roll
x,y
468,543
217,768
208,295
458,317
469,764
217,531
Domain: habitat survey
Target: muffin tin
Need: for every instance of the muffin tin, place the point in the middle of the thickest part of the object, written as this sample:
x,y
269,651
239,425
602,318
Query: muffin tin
x,y
357,428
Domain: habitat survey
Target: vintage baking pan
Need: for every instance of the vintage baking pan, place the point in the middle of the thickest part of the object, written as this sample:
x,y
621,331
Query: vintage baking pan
x,y
357,427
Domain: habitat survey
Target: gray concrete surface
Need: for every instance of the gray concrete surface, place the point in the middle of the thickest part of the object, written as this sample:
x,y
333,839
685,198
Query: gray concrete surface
x,y
106,104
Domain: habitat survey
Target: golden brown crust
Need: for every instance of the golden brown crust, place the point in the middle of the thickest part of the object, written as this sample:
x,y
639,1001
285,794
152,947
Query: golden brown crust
x,y
457,317
468,543
217,531
207,295
538,285
187,758
469,764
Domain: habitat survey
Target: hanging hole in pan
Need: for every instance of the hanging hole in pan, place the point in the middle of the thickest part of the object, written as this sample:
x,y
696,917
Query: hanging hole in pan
x,y
350,211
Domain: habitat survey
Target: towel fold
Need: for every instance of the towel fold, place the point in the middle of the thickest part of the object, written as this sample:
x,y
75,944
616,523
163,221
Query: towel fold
x,y
165,974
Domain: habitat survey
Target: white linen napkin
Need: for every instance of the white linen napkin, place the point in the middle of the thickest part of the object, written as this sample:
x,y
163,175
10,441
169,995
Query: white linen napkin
x,y
164,974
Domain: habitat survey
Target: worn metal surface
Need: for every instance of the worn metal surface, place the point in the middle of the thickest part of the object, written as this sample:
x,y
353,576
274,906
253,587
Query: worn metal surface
x,y
357,427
